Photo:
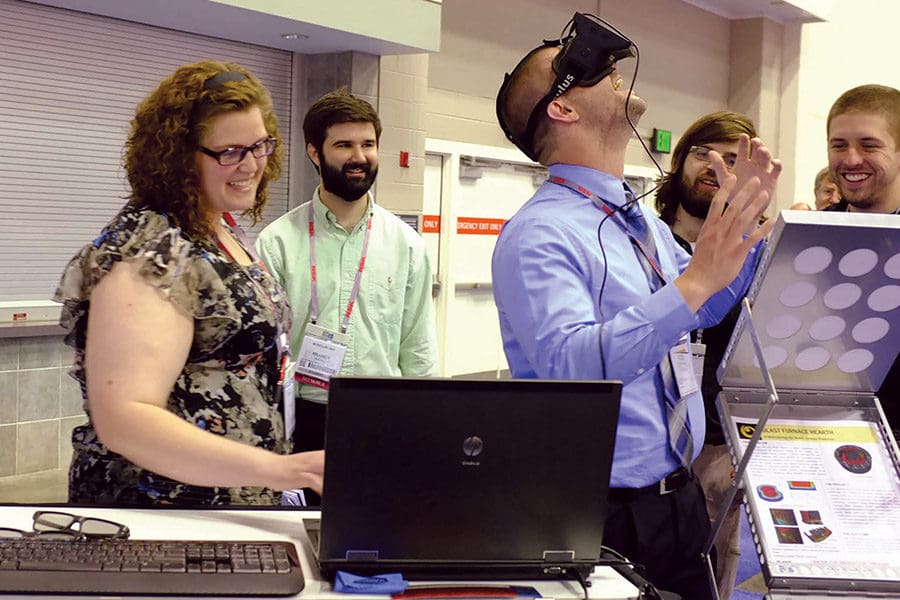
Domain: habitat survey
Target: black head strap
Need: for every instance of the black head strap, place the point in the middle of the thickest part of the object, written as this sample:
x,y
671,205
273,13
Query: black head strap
x,y
525,141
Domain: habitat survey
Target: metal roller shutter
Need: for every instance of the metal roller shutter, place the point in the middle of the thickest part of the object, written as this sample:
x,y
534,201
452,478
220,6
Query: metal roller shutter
x,y
69,83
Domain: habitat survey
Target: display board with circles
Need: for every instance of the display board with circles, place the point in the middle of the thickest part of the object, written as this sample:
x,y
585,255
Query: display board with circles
x,y
825,305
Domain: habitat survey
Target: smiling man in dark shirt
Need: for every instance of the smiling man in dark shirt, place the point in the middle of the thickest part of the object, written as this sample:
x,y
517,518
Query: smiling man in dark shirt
x,y
864,162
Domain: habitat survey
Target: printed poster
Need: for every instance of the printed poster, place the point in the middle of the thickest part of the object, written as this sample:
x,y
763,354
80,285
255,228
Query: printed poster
x,y
828,498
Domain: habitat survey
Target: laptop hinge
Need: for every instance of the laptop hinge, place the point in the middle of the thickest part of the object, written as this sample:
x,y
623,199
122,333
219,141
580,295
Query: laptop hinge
x,y
557,556
361,555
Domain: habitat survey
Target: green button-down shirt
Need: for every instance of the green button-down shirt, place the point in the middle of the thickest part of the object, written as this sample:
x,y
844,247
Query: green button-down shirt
x,y
391,327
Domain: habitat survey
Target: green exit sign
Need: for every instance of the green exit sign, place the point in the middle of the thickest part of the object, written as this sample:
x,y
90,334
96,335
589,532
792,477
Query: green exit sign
x,y
662,140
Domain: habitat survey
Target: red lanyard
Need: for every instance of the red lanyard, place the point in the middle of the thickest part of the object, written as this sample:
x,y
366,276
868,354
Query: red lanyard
x,y
284,349
314,288
242,238
623,224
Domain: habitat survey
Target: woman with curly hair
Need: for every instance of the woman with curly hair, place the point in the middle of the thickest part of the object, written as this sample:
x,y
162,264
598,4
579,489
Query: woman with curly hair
x,y
179,330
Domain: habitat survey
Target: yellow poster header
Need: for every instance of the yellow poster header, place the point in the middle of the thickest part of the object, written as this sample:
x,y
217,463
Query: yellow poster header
x,y
810,432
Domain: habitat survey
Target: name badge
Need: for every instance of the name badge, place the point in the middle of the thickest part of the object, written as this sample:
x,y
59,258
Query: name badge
x,y
682,362
321,355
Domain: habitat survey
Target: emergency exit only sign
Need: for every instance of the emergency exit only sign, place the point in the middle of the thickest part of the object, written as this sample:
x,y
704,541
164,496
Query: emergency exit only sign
x,y
478,226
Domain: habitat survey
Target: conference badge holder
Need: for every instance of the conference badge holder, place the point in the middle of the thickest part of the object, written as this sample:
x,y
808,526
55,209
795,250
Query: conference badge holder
x,y
820,469
321,355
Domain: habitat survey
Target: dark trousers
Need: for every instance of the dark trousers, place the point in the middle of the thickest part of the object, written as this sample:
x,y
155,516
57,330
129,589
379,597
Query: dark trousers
x,y
666,534
309,434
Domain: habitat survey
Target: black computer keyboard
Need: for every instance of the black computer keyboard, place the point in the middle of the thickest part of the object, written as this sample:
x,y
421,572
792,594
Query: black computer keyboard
x,y
269,568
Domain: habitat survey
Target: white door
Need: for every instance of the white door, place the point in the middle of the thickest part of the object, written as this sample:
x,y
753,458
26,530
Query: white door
x,y
431,228
470,191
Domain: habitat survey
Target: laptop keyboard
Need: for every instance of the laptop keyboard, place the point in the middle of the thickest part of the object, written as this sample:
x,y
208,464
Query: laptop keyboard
x,y
267,568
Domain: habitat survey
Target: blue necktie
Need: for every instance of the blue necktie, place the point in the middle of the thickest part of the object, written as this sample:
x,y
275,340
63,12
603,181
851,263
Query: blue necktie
x,y
680,440
638,225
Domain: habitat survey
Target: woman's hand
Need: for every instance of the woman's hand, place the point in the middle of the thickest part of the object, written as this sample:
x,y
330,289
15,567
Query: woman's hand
x,y
301,470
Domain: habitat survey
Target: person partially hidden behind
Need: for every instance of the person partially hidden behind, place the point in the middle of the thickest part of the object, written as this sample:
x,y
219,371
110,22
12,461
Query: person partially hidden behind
x,y
589,285
826,190
863,130
368,309
178,330
683,200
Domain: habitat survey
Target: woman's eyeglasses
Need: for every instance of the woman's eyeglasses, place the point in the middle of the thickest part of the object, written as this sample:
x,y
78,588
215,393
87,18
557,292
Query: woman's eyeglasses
x,y
50,525
702,153
233,156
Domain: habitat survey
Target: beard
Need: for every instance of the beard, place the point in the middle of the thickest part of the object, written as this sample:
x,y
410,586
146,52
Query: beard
x,y
694,200
336,180
863,200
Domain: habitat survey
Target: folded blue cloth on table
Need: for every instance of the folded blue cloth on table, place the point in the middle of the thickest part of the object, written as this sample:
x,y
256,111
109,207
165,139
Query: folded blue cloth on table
x,y
389,583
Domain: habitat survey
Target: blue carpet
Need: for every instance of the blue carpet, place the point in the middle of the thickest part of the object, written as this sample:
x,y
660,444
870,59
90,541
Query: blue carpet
x,y
748,566
739,594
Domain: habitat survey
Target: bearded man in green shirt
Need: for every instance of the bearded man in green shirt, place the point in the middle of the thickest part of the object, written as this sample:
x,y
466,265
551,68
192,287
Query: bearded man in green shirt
x,y
358,278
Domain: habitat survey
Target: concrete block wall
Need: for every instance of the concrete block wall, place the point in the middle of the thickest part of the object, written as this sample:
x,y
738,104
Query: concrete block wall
x,y
39,406
402,89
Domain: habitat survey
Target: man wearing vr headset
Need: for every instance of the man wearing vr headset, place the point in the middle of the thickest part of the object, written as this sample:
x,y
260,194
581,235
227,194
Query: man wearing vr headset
x,y
581,279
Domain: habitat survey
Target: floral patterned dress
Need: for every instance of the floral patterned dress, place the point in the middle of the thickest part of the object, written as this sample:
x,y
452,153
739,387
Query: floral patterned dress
x,y
229,385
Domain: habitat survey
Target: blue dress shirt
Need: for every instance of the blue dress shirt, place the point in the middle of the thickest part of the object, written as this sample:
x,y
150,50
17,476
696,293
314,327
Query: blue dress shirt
x,y
575,303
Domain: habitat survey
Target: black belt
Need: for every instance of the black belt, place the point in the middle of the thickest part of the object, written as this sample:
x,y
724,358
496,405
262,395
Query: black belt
x,y
674,481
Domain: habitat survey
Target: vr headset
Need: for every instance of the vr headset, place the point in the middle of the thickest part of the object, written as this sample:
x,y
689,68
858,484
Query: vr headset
x,y
590,49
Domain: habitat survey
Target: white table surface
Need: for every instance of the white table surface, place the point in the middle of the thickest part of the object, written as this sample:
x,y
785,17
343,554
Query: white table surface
x,y
284,525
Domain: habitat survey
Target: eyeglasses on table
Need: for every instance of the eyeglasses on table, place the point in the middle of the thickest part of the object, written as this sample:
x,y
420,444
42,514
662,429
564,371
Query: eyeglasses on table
x,y
53,525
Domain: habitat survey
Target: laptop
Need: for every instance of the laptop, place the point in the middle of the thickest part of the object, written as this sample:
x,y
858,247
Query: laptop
x,y
441,478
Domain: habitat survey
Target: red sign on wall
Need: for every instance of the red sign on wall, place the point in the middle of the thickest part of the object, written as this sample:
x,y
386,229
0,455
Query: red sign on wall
x,y
431,223
478,226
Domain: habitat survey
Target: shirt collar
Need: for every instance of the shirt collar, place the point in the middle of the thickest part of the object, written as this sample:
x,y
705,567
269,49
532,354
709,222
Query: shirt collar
x,y
324,215
608,187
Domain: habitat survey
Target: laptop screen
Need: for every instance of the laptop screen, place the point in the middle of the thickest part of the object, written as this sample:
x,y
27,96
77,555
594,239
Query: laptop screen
x,y
442,470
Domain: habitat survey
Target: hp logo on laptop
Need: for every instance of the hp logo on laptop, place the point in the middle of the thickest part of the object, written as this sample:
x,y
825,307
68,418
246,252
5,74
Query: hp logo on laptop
x,y
472,447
